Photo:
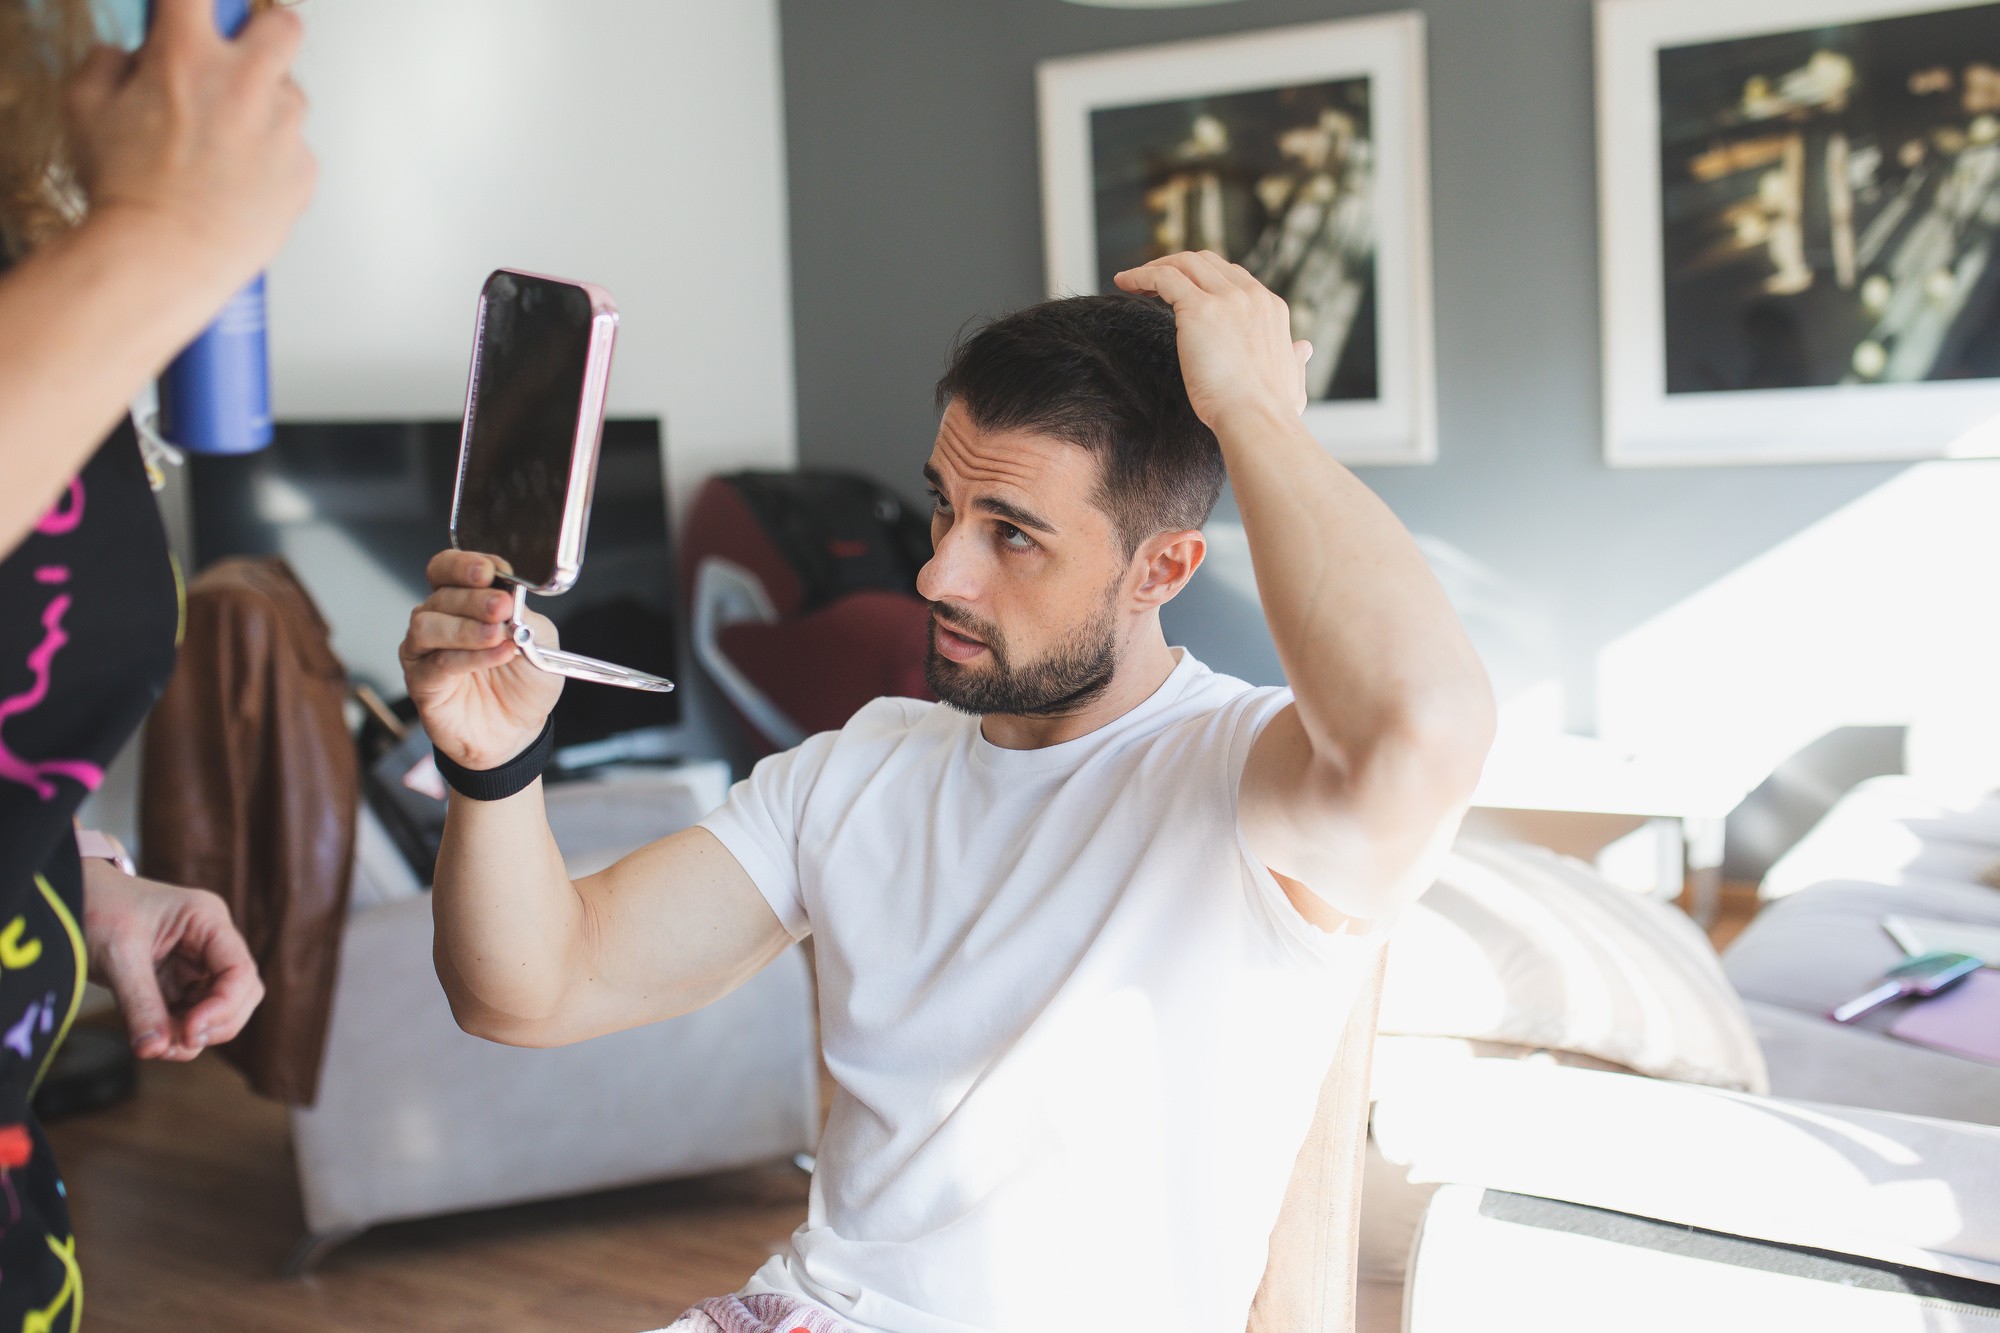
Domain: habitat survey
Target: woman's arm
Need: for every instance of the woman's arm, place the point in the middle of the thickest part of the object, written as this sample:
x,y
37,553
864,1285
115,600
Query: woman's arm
x,y
191,156
84,321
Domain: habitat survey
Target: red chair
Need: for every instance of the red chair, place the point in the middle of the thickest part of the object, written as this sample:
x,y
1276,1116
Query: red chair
x,y
802,589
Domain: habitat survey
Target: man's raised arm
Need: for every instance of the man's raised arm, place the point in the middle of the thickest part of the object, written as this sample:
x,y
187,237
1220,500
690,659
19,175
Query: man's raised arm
x,y
1352,793
526,955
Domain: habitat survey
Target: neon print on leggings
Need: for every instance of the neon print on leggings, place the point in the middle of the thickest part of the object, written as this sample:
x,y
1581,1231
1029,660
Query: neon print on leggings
x,y
59,521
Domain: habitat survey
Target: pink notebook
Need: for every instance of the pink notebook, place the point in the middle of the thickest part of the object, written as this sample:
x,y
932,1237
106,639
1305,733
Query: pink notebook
x,y
1965,1020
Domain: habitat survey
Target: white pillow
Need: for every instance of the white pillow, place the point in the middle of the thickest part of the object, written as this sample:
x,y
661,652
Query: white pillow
x,y
1518,946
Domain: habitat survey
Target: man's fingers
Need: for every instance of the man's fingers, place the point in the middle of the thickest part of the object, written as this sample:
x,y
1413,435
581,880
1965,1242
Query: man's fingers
x,y
1304,351
462,662
464,569
432,630
1161,279
1213,272
1204,268
490,605
1241,277
1209,270
1198,271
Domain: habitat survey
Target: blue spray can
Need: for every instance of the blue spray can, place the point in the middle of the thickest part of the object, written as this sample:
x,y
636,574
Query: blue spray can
x,y
215,397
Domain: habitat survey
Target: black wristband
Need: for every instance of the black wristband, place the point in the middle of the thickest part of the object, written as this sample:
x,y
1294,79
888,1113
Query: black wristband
x,y
497,784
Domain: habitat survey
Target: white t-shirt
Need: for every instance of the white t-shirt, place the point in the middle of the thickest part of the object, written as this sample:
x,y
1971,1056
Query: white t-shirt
x,y
1076,1033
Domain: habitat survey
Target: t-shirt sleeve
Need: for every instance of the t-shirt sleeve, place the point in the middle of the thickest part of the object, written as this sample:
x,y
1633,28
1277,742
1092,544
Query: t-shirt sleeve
x,y
1251,715
759,824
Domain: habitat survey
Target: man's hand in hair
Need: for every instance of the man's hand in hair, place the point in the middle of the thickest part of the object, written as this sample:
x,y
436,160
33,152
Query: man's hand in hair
x,y
1237,352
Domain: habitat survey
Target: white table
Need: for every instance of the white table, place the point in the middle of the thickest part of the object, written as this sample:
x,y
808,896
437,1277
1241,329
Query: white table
x,y
1687,798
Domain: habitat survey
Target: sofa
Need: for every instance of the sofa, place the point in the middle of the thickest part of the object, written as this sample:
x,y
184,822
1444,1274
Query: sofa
x,y
415,1117
1902,845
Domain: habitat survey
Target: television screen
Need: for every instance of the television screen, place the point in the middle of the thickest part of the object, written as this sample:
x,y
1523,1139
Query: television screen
x,y
359,508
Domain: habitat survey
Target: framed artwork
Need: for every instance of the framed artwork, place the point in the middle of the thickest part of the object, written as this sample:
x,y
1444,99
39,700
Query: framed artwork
x,y
1299,153
1800,207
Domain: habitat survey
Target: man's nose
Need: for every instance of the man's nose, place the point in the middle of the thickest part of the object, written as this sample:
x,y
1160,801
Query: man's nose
x,y
948,575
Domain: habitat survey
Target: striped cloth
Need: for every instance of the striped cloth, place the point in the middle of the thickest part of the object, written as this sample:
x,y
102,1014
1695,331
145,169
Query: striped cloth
x,y
767,1313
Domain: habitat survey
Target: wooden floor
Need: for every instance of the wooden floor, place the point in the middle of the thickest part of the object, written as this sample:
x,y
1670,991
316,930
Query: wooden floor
x,y
1738,905
185,1208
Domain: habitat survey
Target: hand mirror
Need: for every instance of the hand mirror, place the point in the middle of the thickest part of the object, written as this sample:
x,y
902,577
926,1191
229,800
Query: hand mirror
x,y
527,460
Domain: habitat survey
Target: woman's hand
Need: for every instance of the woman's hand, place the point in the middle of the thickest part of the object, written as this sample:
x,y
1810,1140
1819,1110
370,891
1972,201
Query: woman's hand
x,y
199,133
481,702
183,976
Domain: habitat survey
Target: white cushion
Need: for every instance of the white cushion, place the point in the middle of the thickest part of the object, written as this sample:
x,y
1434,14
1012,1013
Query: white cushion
x,y
1519,946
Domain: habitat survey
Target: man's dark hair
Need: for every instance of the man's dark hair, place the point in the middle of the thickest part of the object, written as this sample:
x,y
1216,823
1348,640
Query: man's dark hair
x,y
1104,373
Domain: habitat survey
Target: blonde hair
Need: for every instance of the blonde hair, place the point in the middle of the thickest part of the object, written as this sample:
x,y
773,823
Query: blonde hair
x,y
41,44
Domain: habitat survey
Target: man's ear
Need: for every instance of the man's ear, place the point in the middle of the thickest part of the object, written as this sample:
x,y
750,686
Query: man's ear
x,y
1165,563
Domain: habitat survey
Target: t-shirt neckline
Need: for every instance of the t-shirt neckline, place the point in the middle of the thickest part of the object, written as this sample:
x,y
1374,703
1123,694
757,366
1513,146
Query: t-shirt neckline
x,y
1065,753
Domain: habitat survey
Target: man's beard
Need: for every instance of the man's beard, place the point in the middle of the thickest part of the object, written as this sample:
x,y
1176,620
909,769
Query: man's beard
x,y
1075,673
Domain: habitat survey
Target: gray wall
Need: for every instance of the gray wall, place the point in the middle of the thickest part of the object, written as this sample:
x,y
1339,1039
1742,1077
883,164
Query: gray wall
x,y
915,206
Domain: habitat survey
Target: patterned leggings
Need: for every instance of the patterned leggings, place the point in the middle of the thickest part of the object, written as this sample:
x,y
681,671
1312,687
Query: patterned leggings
x,y
758,1314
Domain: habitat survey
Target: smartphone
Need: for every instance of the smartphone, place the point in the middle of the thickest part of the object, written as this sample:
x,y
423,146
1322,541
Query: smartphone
x,y
527,454
534,409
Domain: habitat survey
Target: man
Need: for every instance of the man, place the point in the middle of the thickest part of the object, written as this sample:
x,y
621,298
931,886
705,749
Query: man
x,y
1087,932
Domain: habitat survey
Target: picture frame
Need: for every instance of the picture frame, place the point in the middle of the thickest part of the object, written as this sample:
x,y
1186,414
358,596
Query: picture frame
x,y
1301,152
1793,266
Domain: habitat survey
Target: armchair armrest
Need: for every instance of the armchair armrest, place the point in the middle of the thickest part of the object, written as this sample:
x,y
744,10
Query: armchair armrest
x,y
1899,1189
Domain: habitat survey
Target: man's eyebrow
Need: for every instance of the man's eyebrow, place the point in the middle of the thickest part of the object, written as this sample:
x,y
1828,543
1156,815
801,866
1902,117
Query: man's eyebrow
x,y
1019,517
1014,514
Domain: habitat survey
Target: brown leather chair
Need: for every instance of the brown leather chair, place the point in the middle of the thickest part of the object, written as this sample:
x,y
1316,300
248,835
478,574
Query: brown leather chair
x,y
1310,1278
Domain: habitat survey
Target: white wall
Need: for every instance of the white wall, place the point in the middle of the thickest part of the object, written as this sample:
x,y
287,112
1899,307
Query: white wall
x,y
1881,614
633,143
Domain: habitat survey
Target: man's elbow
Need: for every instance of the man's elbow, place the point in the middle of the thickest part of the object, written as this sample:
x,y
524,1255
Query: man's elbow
x,y
489,1024
1442,740
503,1020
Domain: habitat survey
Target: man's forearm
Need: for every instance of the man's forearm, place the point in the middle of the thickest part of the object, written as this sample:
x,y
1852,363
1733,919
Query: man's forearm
x,y
1369,643
511,927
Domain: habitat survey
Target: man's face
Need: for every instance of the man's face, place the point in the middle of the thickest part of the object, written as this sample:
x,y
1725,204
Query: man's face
x,y
1027,581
